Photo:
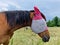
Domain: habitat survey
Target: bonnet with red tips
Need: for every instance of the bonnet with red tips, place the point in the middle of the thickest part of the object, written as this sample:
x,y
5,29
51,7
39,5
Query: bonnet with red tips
x,y
38,23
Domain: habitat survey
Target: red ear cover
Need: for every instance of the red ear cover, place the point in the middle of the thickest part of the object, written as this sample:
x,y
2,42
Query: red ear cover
x,y
37,14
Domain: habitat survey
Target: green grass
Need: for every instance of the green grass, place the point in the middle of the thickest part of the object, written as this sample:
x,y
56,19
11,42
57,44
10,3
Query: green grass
x,y
27,37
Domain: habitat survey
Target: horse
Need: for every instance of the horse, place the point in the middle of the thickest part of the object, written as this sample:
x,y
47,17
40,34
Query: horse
x,y
10,21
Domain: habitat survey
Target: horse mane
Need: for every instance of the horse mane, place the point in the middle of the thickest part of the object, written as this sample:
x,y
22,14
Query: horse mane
x,y
17,17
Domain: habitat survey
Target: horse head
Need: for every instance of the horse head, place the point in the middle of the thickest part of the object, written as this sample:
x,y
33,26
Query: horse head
x,y
39,25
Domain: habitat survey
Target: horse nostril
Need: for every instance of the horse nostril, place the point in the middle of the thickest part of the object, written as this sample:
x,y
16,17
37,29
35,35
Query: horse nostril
x,y
45,39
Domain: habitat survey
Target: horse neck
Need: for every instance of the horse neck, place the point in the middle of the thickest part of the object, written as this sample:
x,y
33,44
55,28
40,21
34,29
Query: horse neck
x,y
18,19
26,21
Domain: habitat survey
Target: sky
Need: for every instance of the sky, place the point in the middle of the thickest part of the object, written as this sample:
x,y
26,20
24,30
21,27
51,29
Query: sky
x,y
50,8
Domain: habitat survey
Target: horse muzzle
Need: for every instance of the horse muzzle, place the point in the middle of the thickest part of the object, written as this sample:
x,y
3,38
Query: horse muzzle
x,y
45,38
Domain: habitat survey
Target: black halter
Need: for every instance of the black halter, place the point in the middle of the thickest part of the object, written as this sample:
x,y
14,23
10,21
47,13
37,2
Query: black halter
x,y
17,17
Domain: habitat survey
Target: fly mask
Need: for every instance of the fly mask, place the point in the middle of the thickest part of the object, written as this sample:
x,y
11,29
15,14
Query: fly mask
x,y
38,23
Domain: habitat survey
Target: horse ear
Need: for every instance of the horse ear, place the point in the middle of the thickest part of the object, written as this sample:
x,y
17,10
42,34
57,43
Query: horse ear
x,y
36,10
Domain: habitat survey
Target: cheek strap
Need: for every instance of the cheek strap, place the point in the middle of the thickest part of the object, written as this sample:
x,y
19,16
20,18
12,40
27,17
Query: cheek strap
x,y
38,26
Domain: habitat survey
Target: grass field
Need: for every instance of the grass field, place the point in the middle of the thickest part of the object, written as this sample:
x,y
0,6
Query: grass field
x,y
27,37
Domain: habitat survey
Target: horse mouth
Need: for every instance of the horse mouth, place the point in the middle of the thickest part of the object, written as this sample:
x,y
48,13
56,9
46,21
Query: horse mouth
x,y
45,38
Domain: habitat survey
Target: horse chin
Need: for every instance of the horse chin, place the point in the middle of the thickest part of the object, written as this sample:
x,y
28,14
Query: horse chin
x,y
45,36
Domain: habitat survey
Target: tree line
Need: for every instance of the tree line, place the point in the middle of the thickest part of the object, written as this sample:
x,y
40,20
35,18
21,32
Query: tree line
x,y
54,22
